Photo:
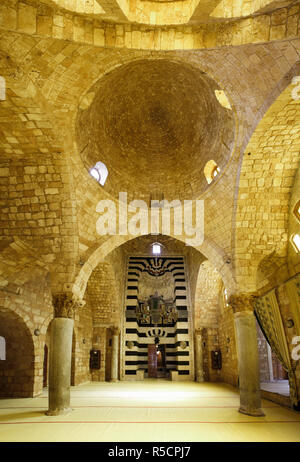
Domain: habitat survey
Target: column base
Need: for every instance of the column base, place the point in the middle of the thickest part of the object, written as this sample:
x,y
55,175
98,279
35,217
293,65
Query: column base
x,y
200,379
253,412
114,380
59,411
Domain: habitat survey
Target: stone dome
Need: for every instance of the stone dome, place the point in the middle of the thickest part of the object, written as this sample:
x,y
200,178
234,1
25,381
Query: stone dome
x,y
155,124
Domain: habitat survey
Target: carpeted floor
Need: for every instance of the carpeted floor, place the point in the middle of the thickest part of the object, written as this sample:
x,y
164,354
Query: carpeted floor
x,y
153,410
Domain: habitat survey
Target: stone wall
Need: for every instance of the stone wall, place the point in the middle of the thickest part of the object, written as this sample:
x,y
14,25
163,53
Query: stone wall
x,y
17,370
30,305
227,342
104,293
83,333
215,319
29,17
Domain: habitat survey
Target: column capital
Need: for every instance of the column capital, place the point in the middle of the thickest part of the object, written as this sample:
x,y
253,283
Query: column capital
x,y
65,305
199,331
115,330
242,302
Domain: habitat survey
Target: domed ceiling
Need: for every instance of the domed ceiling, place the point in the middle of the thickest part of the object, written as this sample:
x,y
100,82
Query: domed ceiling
x,y
155,124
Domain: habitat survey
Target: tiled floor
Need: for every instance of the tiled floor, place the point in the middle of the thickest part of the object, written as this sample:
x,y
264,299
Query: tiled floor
x,y
153,410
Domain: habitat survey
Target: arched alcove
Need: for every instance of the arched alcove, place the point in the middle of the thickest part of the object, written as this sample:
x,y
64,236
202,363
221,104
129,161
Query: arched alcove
x,y
17,371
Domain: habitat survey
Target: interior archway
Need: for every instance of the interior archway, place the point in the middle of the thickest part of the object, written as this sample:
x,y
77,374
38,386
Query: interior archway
x,y
264,197
17,370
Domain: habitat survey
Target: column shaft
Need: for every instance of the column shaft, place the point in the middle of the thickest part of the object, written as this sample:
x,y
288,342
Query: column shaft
x,y
60,365
114,358
249,382
199,358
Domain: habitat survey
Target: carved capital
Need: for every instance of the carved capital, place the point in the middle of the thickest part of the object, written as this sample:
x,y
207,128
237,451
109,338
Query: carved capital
x,y
115,330
242,302
65,305
199,331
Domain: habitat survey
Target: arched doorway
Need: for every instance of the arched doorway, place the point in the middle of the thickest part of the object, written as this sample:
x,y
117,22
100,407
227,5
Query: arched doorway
x,y
17,370
46,356
73,361
45,367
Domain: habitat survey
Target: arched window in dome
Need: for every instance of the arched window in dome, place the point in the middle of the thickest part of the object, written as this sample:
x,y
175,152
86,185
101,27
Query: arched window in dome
x,y
295,239
211,171
297,210
222,99
99,172
2,349
225,295
156,248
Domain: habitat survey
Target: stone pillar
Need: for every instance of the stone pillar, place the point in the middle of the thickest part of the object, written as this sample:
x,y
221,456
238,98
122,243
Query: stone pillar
x,y
199,357
61,354
248,359
115,355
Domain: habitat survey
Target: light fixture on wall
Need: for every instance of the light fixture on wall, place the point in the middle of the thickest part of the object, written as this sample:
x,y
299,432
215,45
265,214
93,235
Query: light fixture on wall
x,y
37,332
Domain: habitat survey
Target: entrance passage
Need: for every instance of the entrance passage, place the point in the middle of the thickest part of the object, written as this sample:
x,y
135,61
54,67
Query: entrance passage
x,y
152,361
157,361
161,361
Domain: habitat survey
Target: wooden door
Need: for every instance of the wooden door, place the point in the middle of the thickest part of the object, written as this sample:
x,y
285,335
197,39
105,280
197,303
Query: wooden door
x,y
45,367
152,361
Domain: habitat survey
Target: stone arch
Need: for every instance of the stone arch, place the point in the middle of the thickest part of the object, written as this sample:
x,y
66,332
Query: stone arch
x,y
265,183
103,296
17,371
207,292
209,249
21,162
294,226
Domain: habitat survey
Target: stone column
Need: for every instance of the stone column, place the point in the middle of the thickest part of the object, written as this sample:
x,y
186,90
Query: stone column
x,y
115,355
199,357
247,349
61,354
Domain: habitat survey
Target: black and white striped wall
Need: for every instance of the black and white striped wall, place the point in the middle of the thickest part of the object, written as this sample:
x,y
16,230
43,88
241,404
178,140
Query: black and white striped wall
x,y
137,337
